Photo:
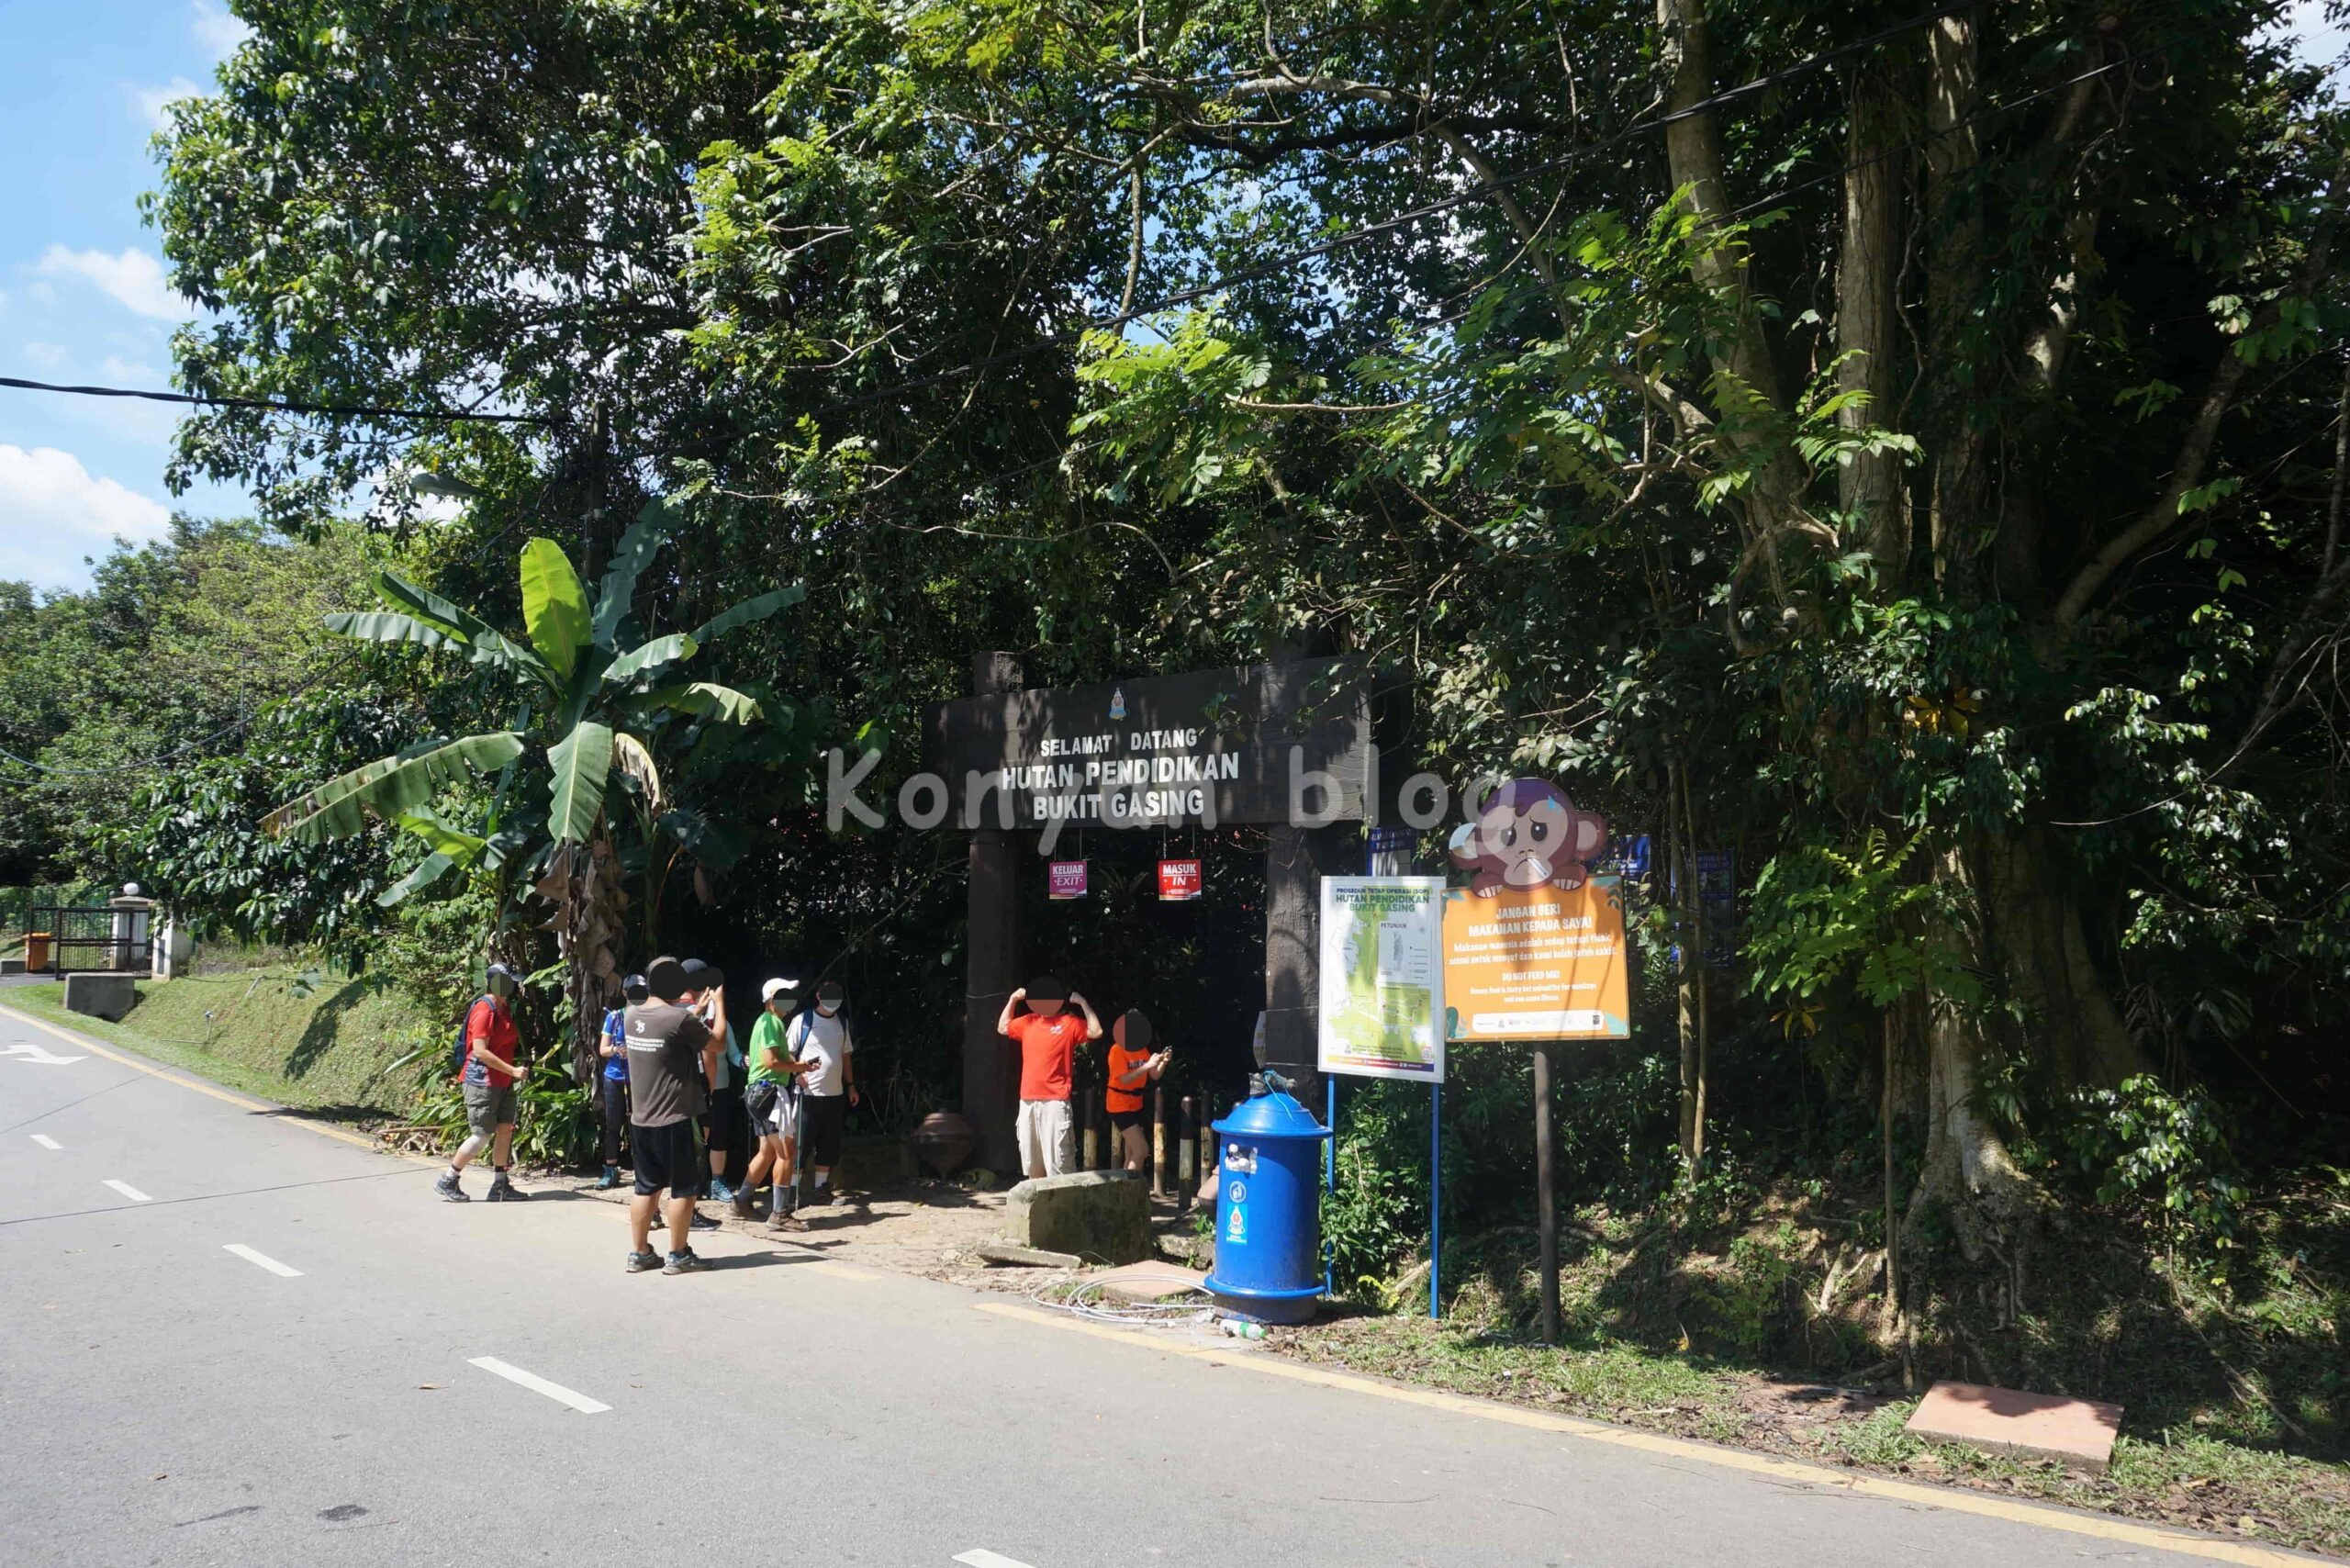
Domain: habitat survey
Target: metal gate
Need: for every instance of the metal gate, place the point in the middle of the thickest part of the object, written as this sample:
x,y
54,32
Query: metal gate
x,y
81,940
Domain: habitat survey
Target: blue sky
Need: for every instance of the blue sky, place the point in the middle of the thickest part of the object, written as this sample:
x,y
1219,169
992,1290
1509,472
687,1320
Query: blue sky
x,y
82,295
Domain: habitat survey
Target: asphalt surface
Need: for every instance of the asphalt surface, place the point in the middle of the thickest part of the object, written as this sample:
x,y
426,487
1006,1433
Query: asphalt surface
x,y
169,1395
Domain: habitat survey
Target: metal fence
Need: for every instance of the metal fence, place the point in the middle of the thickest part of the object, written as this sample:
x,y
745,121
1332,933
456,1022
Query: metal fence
x,y
82,940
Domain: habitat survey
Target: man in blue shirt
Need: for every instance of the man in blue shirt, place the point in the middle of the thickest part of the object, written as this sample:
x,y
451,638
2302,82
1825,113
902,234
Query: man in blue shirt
x,y
613,1049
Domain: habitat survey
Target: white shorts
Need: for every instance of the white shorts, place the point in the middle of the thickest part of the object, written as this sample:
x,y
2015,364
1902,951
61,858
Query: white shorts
x,y
1046,1145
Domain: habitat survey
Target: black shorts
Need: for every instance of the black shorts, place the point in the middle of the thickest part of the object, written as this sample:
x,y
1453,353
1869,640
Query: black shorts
x,y
1122,1120
825,1115
665,1158
723,1124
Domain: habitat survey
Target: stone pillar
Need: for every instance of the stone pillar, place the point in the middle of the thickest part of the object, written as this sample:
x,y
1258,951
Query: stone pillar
x,y
132,913
991,958
1295,860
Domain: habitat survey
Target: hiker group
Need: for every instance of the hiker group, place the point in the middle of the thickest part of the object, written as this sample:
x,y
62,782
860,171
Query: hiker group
x,y
688,1096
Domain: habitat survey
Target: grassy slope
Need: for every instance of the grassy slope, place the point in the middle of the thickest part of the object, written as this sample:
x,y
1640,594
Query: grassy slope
x,y
323,1051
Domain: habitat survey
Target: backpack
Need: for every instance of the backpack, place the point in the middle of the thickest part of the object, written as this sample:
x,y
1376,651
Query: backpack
x,y
457,1053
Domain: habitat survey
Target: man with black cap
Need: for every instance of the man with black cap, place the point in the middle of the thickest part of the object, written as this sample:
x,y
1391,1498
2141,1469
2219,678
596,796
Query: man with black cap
x,y
1048,1040
490,1078
613,1047
722,1122
672,1056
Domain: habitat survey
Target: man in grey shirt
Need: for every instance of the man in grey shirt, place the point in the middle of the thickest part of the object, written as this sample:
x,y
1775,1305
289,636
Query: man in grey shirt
x,y
672,1061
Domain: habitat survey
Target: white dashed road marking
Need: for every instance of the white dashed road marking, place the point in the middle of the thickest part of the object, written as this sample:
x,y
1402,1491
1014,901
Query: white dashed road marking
x,y
46,1141
263,1260
128,1191
538,1384
980,1557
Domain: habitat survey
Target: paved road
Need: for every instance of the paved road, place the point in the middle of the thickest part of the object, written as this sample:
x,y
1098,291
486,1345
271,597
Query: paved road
x,y
230,1340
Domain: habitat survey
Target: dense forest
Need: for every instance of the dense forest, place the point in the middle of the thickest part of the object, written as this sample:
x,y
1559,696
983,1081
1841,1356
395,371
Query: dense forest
x,y
1905,452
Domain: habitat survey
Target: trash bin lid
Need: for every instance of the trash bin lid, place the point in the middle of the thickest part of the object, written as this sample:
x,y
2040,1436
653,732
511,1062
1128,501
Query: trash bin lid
x,y
1271,1116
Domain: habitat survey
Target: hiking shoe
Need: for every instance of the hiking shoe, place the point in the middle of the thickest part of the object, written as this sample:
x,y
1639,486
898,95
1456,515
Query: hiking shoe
x,y
786,1221
638,1263
703,1222
745,1204
686,1262
502,1191
609,1180
720,1192
450,1191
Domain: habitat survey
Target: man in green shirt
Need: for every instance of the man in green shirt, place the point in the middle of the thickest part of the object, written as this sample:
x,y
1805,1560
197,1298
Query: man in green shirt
x,y
773,1100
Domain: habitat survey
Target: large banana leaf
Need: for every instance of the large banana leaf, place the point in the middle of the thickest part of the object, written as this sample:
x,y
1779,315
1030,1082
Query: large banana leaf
x,y
455,843
555,607
629,756
650,656
430,869
699,697
749,611
629,559
486,644
383,626
389,786
583,762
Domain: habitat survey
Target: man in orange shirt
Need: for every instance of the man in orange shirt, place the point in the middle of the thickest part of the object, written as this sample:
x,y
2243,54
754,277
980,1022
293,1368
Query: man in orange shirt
x,y
1048,1038
1132,1070
491,1077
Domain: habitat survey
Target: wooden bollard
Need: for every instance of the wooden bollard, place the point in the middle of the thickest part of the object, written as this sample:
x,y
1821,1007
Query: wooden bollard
x,y
1187,1152
1159,1140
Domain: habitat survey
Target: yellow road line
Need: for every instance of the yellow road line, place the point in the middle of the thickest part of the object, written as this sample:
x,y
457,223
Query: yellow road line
x,y
2043,1515
86,1043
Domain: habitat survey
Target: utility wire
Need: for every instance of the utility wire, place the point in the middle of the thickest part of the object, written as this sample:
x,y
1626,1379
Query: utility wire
x,y
360,411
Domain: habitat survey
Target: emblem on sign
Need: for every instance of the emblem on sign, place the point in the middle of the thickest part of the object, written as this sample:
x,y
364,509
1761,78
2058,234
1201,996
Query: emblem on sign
x,y
1238,1193
1118,702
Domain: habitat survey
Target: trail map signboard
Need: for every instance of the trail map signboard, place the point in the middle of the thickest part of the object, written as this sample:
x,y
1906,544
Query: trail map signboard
x,y
1381,1003
1211,745
1541,963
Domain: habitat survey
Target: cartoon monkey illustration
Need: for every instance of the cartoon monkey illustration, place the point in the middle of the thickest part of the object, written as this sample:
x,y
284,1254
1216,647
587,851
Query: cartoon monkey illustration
x,y
1527,833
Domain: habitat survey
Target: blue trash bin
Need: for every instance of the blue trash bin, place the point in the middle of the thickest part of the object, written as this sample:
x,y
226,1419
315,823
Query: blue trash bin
x,y
1269,1209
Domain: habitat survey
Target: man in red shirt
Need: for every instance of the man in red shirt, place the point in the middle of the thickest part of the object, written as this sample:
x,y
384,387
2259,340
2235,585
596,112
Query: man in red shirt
x,y
490,1075
1048,1038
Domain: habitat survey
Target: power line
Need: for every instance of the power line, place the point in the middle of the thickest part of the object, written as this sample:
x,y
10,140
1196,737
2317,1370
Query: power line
x,y
281,405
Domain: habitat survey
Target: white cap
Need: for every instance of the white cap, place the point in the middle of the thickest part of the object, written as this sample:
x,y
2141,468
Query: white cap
x,y
766,991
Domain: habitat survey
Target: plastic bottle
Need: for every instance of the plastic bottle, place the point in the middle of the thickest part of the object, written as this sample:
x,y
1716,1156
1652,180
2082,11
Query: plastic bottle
x,y
1240,1329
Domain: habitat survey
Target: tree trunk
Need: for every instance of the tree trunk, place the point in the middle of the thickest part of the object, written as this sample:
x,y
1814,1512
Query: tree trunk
x,y
1869,486
2034,933
583,883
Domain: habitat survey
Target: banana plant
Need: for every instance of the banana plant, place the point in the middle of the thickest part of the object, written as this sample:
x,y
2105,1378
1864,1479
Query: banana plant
x,y
596,701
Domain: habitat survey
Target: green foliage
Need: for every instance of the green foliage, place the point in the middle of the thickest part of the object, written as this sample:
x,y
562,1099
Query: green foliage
x,y
2141,1145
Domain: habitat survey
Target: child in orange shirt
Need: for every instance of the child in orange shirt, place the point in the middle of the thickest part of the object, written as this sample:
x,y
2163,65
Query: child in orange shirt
x,y
1132,1070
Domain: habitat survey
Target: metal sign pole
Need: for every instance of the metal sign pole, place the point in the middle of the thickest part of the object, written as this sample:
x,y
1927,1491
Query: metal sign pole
x,y
1546,1201
1436,1195
1330,1179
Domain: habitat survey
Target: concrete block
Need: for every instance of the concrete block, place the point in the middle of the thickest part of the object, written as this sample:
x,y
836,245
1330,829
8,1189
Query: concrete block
x,y
1150,1281
1103,1217
2078,1432
12,966
99,996
1027,1257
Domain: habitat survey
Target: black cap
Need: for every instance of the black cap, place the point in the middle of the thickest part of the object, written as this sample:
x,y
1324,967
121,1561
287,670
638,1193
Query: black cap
x,y
635,986
665,978
703,976
500,971
1045,988
1138,1029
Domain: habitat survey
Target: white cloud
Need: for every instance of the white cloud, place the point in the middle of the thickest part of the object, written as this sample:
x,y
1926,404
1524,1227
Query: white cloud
x,y
217,30
53,512
134,279
44,357
153,100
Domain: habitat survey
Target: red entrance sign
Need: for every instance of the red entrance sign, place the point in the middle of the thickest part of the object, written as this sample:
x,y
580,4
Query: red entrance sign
x,y
1179,880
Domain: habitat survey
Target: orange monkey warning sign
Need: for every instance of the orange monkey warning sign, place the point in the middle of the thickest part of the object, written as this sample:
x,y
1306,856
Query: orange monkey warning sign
x,y
1539,963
